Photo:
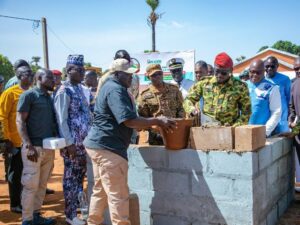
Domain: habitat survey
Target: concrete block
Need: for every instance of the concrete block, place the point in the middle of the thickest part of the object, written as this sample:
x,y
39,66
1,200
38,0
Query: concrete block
x,y
277,147
235,164
147,157
274,192
242,190
264,222
146,218
290,195
282,205
260,192
283,167
287,145
145,199
272,174
170,182
217,187
188,160
249,137
139,179
168,220
219,138
264,157
272,217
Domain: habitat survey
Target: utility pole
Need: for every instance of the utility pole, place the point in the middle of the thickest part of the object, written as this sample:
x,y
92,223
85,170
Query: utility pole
x,y
45,42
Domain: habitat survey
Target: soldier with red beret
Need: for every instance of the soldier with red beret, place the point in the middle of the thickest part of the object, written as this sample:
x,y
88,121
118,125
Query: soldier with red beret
x,y
226,99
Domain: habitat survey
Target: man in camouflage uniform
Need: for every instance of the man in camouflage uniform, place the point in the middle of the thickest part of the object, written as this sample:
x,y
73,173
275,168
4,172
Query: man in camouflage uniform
x,y
159,99
226,99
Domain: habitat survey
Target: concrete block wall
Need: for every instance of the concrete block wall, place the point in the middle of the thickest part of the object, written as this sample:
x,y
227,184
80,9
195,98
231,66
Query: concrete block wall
x,y
190,187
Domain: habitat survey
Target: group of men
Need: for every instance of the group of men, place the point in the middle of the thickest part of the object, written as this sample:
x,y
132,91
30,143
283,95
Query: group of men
x,y
98,126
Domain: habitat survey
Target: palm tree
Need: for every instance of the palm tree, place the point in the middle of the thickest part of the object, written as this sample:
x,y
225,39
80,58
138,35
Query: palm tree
x,y
153,17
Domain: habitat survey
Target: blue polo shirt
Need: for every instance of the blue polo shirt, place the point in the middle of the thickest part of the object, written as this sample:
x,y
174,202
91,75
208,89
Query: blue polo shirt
x,y
113,106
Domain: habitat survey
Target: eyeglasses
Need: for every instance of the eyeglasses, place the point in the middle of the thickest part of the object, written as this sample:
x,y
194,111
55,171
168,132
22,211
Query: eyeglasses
x,y
222,72
156,74
270,66
297,69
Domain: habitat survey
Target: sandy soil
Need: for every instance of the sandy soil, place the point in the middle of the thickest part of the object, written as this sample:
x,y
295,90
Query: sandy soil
x,y
53,204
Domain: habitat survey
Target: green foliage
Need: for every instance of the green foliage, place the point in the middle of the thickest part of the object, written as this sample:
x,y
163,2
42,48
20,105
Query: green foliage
x,y
6,68
87,64
241,58
35,63
263,48
287,46
153,4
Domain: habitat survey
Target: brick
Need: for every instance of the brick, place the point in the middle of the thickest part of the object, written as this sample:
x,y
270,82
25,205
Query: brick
x,y
171,182
283,167
249,137
212,138
233,164
188,160
147,157
277,147
260,192
264,157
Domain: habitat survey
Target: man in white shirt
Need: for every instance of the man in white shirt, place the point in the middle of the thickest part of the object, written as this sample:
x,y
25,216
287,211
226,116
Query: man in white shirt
x,y
176,68
265,98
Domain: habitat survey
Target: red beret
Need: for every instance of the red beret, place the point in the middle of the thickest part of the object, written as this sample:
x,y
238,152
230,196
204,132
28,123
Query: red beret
x,y
56,72
223,61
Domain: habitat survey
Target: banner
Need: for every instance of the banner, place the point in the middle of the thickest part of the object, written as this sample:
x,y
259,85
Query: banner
x,y
162,58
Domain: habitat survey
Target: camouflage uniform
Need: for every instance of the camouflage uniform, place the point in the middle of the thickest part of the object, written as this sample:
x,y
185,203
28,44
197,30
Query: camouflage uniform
x,y
152,103
228,103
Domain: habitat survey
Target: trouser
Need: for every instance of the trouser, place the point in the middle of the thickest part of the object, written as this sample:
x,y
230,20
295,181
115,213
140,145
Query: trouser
x,y
155,138
110,176
90,176
74,171
14,173
34,179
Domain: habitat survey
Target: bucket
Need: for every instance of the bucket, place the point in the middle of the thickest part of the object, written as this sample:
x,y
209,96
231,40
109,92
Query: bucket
x,y
179,138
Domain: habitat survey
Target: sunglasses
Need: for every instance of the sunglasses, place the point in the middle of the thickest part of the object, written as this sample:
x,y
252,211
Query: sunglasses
x,y
156,74
176,70
297,69
270,66
222,72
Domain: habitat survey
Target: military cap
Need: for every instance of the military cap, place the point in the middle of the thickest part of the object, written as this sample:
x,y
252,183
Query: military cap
x,y
175,63
153,68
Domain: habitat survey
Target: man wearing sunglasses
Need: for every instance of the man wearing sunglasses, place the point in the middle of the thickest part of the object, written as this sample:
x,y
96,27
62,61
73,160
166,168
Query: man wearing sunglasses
x,y
176,68
284,83
226,99
159,99
265,98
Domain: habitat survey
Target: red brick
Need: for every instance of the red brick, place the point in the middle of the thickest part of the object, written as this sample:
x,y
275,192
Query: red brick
x,y
249,138
212,138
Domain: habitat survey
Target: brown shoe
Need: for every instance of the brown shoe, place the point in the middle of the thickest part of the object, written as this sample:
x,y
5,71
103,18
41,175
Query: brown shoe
x,y
49,191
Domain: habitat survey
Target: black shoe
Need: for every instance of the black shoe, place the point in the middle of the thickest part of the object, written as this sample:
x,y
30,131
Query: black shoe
x,y
27,222
17,209
49,191
39,220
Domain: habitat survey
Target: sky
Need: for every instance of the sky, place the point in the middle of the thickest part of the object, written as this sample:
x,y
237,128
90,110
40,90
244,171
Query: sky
x,y
98,28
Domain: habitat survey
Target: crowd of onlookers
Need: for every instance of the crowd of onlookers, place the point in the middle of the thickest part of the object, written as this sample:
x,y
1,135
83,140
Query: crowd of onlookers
x,y
99,117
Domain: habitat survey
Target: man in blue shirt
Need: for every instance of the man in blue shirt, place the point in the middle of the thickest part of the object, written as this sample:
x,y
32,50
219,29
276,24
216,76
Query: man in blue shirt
x,y
284,83
115,118
265,98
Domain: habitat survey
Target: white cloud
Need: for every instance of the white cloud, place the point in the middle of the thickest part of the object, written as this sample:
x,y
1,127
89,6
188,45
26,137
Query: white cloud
x,y
177,24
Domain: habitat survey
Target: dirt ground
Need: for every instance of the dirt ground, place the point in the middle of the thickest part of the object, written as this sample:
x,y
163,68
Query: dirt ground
x,y
53,204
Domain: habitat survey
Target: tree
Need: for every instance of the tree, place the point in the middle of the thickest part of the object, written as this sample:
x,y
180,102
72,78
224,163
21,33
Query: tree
x,y
87,64
34,63
263,48
6,68
287,46
153,17
241,58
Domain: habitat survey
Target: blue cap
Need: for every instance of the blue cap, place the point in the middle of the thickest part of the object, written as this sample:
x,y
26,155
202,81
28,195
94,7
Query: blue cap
x,y
75,59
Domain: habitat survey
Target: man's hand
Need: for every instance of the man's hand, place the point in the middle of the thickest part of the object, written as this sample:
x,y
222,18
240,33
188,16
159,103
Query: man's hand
x,y
32,153
71,150
8,147
167,124
195,112
287,135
